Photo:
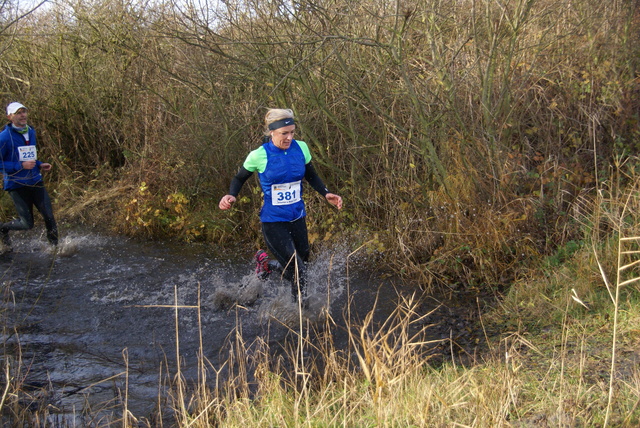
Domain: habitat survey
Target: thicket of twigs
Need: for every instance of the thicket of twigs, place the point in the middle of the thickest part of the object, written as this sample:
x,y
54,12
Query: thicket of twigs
x,y
460,134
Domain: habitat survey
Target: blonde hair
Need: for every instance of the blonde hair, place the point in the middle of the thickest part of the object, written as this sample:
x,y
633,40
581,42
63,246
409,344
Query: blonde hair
x,y
274,115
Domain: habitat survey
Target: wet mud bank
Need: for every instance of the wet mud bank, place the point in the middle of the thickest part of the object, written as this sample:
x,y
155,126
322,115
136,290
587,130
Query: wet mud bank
x,y
458,321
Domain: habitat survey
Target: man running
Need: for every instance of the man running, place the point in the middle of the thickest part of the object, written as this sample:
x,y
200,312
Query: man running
x,y
22,176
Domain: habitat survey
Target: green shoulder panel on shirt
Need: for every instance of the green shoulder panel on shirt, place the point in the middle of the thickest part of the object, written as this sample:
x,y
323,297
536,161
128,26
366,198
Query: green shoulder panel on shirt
x,y
256,160
305,151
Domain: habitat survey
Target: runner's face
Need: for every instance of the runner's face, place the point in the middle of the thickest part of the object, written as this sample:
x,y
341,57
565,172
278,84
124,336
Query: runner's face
x,y
19,118
282,137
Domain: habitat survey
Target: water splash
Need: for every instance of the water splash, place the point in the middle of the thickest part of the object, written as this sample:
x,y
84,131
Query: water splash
x,y
69,245
244,293
271,299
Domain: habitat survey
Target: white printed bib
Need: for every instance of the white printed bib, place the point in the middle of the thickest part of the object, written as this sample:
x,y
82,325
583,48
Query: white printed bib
x,y
286,193
27,153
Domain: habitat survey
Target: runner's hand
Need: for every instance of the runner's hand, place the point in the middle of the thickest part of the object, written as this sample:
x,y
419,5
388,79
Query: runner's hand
x,y
29,164
334,200
226,201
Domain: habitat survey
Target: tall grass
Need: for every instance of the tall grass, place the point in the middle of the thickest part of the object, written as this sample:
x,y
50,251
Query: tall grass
x,y
384,378
624,219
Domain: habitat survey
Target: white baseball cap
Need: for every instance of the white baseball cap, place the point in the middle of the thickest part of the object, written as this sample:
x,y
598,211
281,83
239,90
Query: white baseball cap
x,y
14,107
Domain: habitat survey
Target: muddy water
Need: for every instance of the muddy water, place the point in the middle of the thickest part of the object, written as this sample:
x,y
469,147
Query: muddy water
x,y
102,306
